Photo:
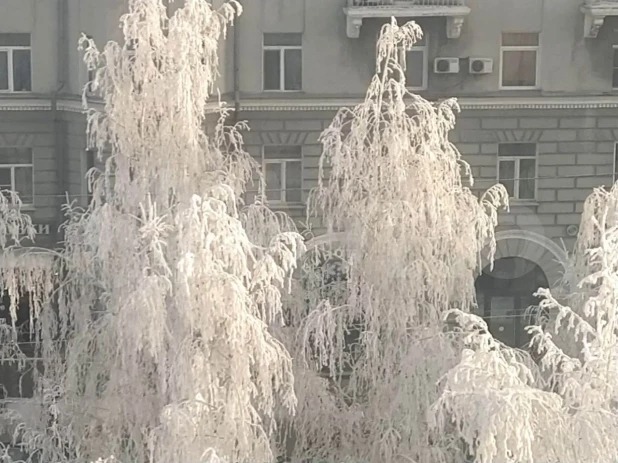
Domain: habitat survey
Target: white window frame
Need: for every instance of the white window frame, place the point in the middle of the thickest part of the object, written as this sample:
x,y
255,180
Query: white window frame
x,y
516,174
18,165
424,48
614,66
535,48
9,50
283,162
282,49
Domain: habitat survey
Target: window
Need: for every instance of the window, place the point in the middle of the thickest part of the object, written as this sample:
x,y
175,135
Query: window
x,y
283,57
283,173
16,173
517,169
615,68
615,170
15,72
17,380
519,60
91,155
91,74
416,65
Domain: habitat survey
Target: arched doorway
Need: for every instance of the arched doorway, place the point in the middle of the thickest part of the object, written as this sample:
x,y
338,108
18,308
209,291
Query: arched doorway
x,y
504,295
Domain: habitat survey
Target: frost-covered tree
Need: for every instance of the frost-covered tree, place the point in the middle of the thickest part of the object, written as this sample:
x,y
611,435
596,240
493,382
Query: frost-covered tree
x,y
156,341
415,235
564,406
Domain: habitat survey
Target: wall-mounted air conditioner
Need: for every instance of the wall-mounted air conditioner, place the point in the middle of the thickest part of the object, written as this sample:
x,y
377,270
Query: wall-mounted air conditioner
x,y
481,66
446,65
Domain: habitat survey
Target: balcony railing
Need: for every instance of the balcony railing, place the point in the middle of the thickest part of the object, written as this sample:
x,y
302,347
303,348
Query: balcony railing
x,y
453,10
595,12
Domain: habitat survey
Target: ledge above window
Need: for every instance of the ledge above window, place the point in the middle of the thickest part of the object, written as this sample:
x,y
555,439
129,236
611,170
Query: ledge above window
x,y
595,12
455,11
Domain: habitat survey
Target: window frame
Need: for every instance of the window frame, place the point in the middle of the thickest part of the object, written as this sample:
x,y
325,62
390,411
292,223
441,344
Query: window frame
x,y
614,66
9,49
283,163
517,169
281,49
425,50
13,166
536,48
615,164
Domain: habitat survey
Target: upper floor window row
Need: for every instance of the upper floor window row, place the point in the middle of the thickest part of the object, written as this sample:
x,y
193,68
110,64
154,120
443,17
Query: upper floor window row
x,y
283,62
15,63
519,55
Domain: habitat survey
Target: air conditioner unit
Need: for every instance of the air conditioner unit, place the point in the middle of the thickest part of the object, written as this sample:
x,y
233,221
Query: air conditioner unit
x,y
481,66
446,65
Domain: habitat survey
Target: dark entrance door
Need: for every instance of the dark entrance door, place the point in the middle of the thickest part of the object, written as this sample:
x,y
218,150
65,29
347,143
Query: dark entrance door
x,y
505,293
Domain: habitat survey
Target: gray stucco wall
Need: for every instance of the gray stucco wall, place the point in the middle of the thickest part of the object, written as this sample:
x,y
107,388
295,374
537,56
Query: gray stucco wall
x,y
334,64
575,154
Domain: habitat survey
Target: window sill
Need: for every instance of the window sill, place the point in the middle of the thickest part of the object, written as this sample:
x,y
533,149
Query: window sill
x,y
282,91
282,205
523,202
19,92
519,88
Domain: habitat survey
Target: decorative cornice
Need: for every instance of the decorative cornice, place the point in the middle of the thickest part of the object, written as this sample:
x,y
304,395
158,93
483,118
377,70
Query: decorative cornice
x,y
541,102
333,104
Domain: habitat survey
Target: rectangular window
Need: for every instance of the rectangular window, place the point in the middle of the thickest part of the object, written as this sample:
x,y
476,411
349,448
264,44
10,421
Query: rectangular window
x,y
15,63
517,169
16,173
615,68
519,60
283,62
615,169
416,65
91,156
283,173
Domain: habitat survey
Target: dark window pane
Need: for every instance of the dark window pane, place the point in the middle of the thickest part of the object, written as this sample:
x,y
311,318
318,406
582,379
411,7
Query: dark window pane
x,y
506,175
615,78
293,182
14,40
293,69
23,184
517,149
15,156
272,70
5,179
282,152
22,81
520,39
527,174
15,381
415,68
289,40
519,68
4,70
273,181
616,57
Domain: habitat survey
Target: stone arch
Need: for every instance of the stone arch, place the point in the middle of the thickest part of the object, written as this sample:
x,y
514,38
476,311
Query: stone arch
x,y
535,248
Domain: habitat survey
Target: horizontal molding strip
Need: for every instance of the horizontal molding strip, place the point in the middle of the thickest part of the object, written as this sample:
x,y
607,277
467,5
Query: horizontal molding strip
x,y
333,104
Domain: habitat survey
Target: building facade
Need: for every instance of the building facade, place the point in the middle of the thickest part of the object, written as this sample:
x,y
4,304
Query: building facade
x,y
537,81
